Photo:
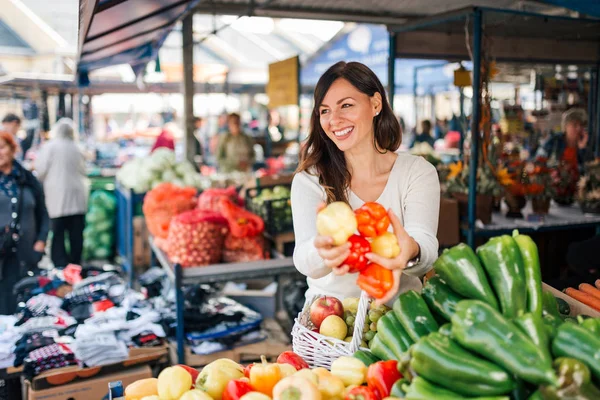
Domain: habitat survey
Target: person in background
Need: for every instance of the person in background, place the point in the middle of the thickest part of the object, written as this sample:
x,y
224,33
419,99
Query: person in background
x,y
571,144
165,139
235,151
23,222
61,168
11,123
425,135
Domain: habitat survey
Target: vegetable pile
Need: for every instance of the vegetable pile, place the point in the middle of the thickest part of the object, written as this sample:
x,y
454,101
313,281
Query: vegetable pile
x,y
143,174
273,205
484,328
99,232
164,202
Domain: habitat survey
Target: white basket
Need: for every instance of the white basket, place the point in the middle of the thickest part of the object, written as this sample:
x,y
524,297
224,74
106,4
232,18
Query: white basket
x,y
320,351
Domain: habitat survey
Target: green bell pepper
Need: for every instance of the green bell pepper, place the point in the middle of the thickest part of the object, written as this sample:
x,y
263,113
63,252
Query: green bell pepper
x,y
381,350
446,329
440,298
397,390
552,323
442,361
577,342
460,268
412,312
478,327
421,389
393,335
549,305
591,324
533,326
366,357
502,260
563,307
533,273
574,382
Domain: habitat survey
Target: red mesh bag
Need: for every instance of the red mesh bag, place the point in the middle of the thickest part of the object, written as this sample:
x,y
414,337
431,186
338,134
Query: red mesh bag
x,y
196,238
245,249
164,202
209,199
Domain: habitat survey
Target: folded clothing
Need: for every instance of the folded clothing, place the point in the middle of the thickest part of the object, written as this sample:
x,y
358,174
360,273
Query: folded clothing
x,y
40,324
100,349
32,341
46,358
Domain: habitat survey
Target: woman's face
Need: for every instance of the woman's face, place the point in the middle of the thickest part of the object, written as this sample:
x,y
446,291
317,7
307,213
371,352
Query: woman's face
x,y
6,154
346,115
574,131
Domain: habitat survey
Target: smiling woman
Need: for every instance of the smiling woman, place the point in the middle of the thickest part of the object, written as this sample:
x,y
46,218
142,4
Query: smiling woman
x,y
350,157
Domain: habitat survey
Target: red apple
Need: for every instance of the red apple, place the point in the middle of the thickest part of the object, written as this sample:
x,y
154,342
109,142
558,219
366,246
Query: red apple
x,y
323,307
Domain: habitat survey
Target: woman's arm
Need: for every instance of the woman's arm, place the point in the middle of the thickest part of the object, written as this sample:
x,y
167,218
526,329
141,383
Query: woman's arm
x,y
307,195
421,213
41,162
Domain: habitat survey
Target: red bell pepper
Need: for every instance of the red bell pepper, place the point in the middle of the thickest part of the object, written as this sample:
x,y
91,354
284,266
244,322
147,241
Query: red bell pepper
x,y
375,280
247,370
242,223
192,371
236,389
362,393
382,375
372,219
289,357
357,260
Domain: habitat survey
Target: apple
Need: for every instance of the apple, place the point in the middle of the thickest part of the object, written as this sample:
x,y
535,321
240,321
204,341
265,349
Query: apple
x,y
335,327
323,307
351,304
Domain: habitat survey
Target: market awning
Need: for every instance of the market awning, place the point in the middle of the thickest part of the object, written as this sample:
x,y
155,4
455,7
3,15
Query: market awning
x,y
113,32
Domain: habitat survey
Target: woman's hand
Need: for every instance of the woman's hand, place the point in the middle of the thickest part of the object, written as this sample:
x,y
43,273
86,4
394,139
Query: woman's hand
x,y
39,246
409,248
333,255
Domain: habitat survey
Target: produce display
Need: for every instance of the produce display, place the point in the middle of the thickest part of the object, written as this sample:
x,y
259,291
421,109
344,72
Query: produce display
x,y
163,203
586,294
99,232
273,205
143,174
371,221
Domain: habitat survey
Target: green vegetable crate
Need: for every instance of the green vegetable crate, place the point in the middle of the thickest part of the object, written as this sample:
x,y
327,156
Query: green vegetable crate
x,y
272,204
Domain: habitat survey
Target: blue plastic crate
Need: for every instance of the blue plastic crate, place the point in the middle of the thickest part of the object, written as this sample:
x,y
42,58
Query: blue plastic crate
x,y
129,204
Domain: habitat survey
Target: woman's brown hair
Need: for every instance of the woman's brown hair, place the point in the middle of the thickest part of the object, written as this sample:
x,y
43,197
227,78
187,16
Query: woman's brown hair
x,y
320,156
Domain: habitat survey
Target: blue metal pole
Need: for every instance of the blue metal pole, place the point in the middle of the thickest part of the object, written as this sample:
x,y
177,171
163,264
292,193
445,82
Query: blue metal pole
x,y
461,122
476,116
392,69
597,116
129,213
592,101
180,304
415,76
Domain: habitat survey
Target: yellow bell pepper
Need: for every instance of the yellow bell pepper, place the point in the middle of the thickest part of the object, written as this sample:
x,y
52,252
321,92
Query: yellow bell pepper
x,y
296,388
287,370
264,376
142,388
330,386
255,396
386,245
309,375
214,377
173,382
338,221
195,395
350,370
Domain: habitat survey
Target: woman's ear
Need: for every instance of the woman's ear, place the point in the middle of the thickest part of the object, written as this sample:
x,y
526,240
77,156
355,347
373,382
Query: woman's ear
x,y
376,103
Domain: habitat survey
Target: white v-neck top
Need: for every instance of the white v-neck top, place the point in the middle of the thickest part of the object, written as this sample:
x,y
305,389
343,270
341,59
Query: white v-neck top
x,y
412,192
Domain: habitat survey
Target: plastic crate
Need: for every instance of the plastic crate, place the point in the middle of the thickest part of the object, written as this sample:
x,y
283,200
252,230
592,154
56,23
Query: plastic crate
x,y
277,213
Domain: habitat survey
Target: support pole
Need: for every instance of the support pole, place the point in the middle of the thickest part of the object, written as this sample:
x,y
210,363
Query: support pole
x,y
416,102
476,116
597,112
462,122
392,69
187,33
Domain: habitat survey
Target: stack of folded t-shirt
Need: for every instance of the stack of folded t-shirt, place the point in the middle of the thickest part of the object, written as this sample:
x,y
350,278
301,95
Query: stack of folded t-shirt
x,y
100,349
48,357
8,338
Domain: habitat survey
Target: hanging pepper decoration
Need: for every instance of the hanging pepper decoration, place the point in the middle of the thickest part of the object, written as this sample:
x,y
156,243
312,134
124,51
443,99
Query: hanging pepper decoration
x,y
372,219
375,280
357,260
242,223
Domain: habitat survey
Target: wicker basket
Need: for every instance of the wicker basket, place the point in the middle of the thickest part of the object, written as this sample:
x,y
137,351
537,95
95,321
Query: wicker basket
x,y
320,351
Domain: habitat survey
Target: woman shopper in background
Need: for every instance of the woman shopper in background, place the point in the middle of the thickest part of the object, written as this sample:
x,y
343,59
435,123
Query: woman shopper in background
x,y
61,168
23,222
236,151
349,157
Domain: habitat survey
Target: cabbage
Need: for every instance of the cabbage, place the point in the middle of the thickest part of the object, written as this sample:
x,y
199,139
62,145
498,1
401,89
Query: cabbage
x,y
184,168
161,159
168,175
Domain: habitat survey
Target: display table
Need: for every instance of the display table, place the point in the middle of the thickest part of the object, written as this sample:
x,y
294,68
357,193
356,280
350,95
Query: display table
x,y
274,267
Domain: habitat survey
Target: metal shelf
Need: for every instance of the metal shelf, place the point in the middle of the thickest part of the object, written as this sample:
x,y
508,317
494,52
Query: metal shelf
x,y
275,267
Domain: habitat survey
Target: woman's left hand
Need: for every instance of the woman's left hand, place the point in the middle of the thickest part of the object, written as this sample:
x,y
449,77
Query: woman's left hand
x,y
409,249
39,246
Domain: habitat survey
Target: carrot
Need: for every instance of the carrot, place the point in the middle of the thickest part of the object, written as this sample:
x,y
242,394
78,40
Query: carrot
x,y
585,298
598,283
589,289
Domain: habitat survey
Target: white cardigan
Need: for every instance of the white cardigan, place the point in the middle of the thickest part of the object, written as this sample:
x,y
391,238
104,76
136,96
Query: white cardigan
x,y
412,192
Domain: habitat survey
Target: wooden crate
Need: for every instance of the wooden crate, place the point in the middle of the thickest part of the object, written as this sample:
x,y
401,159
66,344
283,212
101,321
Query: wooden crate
x,y
276,343
577,307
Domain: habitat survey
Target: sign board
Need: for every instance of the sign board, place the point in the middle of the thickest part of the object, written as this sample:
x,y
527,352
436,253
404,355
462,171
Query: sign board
x,y
282,87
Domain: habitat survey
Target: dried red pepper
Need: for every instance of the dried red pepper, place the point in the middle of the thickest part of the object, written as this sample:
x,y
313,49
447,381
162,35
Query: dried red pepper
x,y
372,219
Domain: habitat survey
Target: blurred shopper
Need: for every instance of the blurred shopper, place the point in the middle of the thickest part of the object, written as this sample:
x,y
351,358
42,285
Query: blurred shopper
x,y
424,136
165,139
571,145
11,123
23,222
235,152
61,168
